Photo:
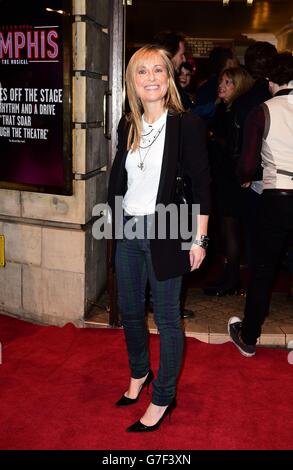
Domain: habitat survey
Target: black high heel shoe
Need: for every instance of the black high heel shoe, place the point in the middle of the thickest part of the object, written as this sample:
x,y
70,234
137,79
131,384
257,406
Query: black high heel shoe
x,y
125,401
139,427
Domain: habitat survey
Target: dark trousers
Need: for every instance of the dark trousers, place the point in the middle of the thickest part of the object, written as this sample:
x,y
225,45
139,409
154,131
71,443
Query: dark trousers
x,y
250,201
133,269
275,224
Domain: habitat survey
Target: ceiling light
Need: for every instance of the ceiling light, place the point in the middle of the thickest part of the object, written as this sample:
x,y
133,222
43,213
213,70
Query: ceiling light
x,y
225,3
61,12
249,2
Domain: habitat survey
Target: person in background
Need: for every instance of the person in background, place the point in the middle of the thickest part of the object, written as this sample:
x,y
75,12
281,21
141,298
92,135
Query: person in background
x,y
220,58
257,58
269,132
144,175
223,153
185,72
185,78
174,44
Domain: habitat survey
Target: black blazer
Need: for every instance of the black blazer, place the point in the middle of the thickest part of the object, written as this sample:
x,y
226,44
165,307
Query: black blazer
x,y
169,260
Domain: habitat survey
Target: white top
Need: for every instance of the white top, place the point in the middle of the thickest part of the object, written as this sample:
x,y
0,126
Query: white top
x,y
277,147
144,169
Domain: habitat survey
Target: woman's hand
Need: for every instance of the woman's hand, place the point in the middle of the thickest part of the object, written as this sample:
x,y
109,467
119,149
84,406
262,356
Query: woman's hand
x,y
196,256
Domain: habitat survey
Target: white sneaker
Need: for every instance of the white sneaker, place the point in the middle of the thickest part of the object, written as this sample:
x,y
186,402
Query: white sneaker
x,y
234,330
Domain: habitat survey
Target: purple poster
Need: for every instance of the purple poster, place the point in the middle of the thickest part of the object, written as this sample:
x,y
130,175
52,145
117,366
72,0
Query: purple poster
x,y
35,115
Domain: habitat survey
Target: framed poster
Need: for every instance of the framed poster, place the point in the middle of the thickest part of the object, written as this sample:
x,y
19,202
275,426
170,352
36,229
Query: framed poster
x,y
35,95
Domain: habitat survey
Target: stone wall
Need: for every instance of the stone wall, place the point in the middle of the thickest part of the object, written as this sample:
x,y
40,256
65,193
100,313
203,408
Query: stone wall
x,y
54,268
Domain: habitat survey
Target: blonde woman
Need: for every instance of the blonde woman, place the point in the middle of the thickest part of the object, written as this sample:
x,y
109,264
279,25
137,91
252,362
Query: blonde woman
x,y
144,175
224,152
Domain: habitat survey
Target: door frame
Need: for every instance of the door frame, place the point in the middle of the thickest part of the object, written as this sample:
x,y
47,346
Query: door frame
x,y
115,110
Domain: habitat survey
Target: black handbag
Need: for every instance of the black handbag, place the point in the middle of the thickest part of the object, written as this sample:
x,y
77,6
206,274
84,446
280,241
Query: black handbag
x,y
183,188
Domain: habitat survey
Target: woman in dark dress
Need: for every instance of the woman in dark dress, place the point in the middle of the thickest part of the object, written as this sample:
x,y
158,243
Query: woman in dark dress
x,y
224,154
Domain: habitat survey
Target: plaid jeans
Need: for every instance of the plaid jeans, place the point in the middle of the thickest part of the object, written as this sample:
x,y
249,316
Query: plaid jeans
x,y
133,269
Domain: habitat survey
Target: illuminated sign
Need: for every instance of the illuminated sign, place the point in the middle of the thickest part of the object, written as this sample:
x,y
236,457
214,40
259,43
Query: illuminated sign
x,y
35,91
201,47
32,44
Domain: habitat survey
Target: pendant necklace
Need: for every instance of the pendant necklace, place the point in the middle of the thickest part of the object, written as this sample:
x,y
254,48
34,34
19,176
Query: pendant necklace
x,y
142,160
148,147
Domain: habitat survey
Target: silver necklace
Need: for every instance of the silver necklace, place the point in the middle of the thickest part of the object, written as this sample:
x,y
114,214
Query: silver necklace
x,y
148,147
145,137
142,160
150,141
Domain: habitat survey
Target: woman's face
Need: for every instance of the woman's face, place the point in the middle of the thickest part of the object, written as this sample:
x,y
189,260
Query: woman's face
x,y
184,77
226,89
151,79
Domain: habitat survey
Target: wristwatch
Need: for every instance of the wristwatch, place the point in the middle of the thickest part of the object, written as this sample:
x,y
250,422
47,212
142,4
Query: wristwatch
x,y
203,242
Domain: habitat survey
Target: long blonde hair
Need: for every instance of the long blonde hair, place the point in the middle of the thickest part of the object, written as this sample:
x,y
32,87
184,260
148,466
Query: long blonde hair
x,y
172,97
241,79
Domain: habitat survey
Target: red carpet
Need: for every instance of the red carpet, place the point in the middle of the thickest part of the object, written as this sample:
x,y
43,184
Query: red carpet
x,y
58,386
